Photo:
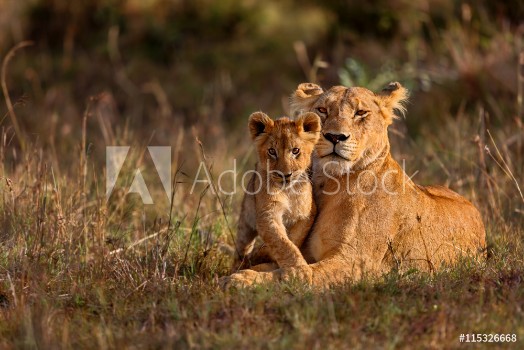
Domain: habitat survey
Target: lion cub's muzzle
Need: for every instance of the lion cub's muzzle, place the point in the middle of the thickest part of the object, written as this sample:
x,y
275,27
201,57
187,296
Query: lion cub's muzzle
x,y
285,178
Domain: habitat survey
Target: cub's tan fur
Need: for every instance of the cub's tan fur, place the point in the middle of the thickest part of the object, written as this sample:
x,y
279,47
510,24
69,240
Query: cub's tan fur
x,y
371,216
278,204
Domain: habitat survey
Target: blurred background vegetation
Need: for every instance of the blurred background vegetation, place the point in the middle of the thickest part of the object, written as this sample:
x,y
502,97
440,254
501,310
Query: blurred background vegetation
x,y
76,269
166,64
166,72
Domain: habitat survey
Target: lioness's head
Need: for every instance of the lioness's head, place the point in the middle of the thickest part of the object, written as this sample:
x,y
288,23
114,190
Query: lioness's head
x,y
354,122
284,146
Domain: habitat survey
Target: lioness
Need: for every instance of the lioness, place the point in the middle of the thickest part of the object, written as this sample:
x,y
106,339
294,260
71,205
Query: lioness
x,y
371,216
278,204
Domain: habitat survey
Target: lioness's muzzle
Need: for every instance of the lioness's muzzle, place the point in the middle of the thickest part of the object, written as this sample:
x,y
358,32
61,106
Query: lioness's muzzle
x,y
335,138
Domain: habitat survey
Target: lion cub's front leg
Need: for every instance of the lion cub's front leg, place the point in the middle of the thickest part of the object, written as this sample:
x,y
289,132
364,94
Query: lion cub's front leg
x,y
299,231
273,232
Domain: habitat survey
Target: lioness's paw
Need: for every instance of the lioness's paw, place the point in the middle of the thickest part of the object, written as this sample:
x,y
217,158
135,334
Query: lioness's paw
x,y
302,273
240,279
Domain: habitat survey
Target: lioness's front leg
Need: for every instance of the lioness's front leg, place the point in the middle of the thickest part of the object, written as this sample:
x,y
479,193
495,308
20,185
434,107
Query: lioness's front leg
x,y
282,249
333,270
247,278
264,267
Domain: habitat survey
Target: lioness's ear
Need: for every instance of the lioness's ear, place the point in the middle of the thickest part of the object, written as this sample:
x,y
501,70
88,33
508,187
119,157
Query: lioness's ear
x,y
259,123
393,97
304,98
309,123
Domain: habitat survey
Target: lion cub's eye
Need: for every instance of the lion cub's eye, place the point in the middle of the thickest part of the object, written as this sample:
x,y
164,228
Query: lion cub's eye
x,y
361,113
272,152
322,110
295,151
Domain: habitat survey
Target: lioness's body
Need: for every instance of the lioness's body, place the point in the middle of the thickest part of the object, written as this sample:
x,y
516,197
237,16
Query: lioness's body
x,y
420,227
279,209
366,230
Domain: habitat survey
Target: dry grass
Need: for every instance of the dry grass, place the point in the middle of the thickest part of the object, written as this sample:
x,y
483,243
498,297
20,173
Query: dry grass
x,y
80,271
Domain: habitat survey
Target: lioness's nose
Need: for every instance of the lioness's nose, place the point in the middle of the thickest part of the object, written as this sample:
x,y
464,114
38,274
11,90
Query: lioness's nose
x,y
335,138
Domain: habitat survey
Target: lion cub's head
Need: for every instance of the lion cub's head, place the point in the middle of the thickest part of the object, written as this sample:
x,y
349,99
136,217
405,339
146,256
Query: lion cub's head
x,y
284,146
354,122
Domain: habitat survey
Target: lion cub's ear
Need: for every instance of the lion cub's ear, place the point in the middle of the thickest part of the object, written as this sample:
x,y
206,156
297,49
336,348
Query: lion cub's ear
x,y
259,123
308,124
304,98
393,97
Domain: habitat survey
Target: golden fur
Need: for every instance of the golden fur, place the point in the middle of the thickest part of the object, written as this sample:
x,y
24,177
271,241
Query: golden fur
x,y
278,204
371,217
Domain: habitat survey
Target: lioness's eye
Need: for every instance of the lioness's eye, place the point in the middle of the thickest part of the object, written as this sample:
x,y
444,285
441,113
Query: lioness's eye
x,y
295,151
361,112
272,152
322,110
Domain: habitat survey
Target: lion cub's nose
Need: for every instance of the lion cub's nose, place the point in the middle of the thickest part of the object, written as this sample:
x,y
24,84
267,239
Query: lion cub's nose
x,y
287,176
335,138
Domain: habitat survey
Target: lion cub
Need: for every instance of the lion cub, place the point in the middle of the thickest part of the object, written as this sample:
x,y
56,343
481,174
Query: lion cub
x,y
278,204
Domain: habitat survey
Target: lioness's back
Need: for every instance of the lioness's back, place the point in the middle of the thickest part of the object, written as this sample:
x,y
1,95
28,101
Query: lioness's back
x,y
443,192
